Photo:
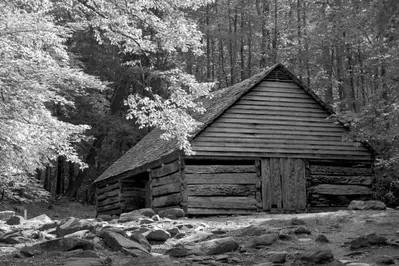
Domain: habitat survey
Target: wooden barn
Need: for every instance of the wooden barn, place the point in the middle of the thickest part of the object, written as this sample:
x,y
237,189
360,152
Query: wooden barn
x,y
265,145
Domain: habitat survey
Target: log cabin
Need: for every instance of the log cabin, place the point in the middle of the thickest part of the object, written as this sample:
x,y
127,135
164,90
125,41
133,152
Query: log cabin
x,y
265,144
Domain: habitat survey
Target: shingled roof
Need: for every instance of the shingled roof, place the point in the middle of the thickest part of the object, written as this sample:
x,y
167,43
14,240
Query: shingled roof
x,y
152,147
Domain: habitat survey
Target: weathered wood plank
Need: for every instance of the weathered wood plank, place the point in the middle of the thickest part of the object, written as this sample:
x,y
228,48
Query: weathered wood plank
x,y
173,178
203,211
279,103
250,106
280,94
221,190
211,169
108,188
240,110
166,189
262,98
301,185
258,155
283,85
272,134
265,145
259,120
329,189
172,199
349,180
134,193
286,150
266,184
222,202
224,178
339,170
294,140
165,170
107,195
276,183
281,117
158,209
109,207
107,202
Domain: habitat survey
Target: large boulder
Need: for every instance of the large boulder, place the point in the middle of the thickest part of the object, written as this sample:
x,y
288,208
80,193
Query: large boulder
x,y
118,242
136,214
367,205
15,220
318,256
157,235
67,244
219,246
264,240
365,241
172,213
71,225
5,215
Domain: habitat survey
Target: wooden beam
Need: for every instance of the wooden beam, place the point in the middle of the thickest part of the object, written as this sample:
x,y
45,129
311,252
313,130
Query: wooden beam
x,y
221,190
204,211
222,202
172,199
161,181
339,170
106,202
108,188
166,189
348,180
107,195
165,170
329,189
110,207
211,169
224,178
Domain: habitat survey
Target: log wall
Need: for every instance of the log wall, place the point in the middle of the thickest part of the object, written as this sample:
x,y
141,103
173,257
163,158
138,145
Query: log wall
x,y
332,186
167,186
222,189
280,120
133,192
108,198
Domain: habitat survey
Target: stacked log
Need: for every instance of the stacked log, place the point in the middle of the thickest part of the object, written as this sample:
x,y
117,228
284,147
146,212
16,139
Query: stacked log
x,y
108,200
222,189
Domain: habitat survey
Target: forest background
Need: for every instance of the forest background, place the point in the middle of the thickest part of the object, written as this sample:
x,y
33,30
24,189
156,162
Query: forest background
x,y
82,81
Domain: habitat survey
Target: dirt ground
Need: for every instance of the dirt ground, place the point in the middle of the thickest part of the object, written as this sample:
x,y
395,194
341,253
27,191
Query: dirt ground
x,y
339,227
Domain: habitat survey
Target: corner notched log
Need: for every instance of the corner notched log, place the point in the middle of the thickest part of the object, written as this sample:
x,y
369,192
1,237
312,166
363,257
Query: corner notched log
x,y
329,189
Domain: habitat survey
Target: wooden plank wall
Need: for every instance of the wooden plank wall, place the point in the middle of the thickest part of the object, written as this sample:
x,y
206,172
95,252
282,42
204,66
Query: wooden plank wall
x,y
222,189
283,184
277,119
167,186
336,185
108,198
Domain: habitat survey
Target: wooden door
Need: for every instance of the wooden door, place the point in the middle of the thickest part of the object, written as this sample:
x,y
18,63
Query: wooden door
x,y
283,184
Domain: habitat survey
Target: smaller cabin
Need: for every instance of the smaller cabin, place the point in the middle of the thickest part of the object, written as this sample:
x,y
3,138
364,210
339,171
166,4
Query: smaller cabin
x,y
266,144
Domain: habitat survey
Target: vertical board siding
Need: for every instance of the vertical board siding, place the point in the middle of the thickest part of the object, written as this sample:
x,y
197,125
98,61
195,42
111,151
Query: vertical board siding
x,y
221,189
283,184
277,119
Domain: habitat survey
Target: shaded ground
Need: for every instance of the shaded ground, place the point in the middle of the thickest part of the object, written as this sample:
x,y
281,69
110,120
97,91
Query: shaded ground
x,y
339,227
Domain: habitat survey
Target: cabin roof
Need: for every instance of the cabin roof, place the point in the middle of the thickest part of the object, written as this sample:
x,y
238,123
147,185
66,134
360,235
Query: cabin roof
x,y
152,147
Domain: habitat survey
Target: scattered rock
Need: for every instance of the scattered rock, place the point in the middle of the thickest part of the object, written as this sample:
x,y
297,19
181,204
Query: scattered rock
x,y
180,235
84,262
172,213
146,221
117,242
357,264
219,246
105,217
178,252
66,244
365,241
253,231
375,239
15,220
173,231
318,256
322,239
218,231
264,240
5,215
139,238
277,257
297,221
78,234
7,250
40,220
302,230
367,205
71,225
151,261
156,218
158,235
384,259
